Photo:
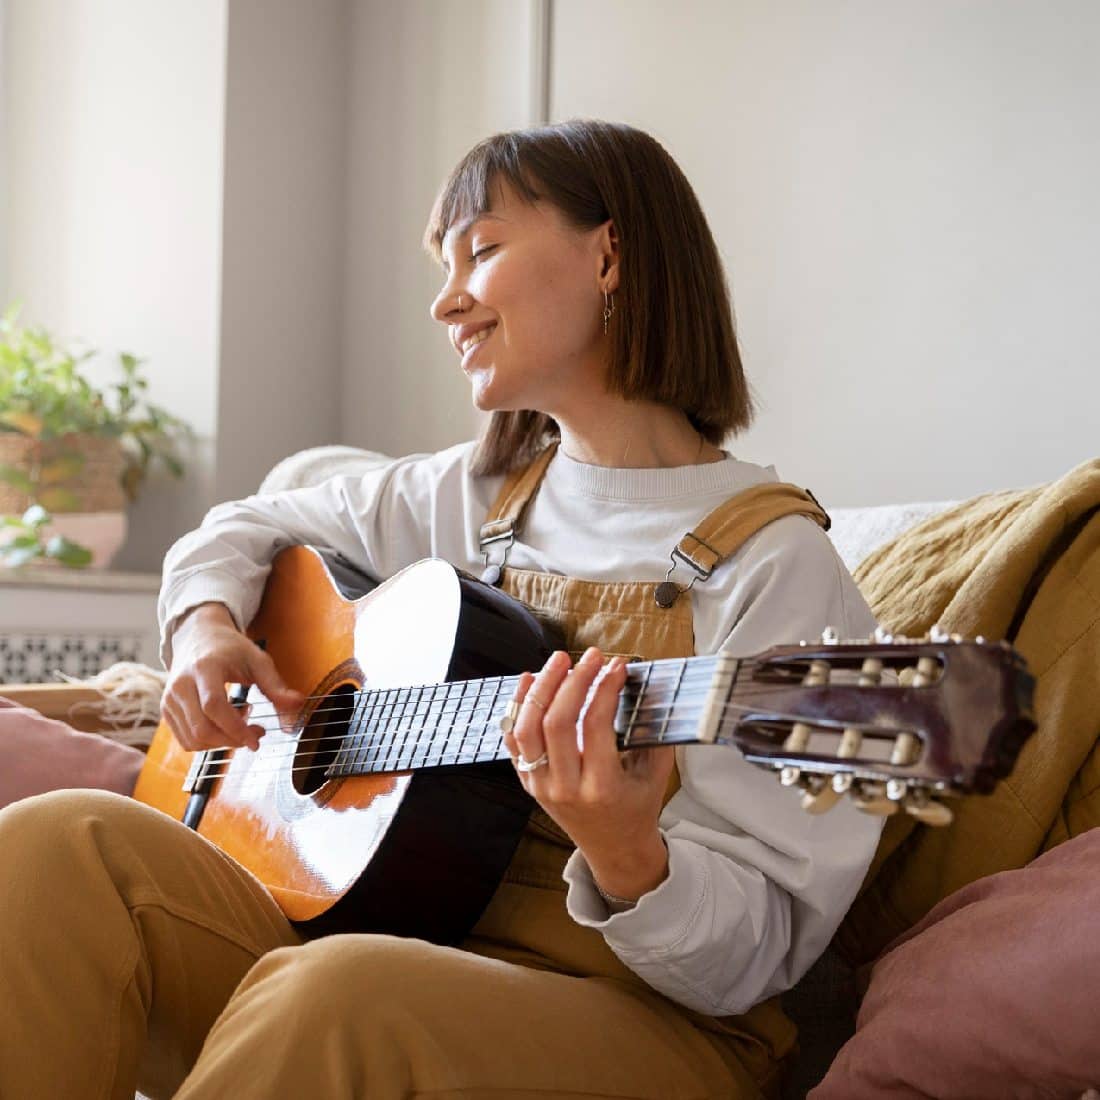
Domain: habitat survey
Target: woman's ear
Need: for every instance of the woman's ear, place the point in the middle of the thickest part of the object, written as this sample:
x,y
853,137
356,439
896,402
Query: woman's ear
x,y
608,246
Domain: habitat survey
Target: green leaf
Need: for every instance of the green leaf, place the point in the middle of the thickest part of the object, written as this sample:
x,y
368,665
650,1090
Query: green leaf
x,y
68,552
17,478
35,516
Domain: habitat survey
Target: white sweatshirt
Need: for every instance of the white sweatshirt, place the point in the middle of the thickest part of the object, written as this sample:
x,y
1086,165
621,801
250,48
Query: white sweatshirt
x,y
756,887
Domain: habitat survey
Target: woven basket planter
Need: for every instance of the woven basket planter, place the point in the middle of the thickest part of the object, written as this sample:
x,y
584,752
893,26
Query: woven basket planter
x,y
96,486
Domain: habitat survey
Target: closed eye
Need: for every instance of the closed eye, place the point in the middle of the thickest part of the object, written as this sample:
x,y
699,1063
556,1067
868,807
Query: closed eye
x,y
481,252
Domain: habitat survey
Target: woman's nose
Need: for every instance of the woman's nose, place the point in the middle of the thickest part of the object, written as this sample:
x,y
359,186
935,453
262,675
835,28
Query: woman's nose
x,y
447,302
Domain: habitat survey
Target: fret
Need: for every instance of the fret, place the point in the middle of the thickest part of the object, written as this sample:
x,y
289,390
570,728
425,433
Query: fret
x,y
404,718
481,753
440,694
370,714
416,728
462,726
443,741
381,734
637,703
406,724
672,703
362,759
349,741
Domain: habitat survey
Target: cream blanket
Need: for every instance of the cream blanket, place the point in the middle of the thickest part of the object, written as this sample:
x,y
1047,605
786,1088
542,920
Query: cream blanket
x,y
967,569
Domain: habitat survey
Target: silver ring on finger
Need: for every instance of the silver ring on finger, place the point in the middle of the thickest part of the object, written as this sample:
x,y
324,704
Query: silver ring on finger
x,y
525,765
531,697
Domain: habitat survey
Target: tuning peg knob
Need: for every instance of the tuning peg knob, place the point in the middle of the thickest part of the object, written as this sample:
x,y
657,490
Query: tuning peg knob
x,y
882,636
938,634
931,812
870,797
829,636
789,776
821,800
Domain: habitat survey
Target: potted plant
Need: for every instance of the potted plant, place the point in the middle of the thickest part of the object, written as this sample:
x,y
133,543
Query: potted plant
x,y
72,453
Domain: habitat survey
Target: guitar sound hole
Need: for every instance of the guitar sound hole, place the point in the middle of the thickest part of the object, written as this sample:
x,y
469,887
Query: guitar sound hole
x,y
321,738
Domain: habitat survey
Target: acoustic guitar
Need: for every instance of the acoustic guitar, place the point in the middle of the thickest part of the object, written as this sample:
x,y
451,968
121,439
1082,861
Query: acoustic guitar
x,y
389,803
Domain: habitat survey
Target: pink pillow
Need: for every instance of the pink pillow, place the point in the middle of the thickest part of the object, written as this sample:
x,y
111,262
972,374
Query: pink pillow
x,y
993,994
42,754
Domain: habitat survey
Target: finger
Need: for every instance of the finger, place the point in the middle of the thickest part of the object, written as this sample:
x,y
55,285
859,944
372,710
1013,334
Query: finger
x,y
171,715
526,679
560,725
263,673
537,700
223,715
204,734
601,752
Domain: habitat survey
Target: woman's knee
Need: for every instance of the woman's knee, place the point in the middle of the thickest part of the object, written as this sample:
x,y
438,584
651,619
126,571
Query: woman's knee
x,y
45,825
355,976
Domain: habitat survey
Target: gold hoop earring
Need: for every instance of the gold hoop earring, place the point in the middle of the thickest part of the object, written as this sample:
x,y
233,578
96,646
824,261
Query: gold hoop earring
x,y
608,309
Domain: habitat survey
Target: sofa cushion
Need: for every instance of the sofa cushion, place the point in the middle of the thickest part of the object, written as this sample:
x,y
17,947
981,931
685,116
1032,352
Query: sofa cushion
x,y
991,995
42,754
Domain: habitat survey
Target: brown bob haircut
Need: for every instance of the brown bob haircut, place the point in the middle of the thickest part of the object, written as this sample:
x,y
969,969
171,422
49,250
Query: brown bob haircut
x,y
672,332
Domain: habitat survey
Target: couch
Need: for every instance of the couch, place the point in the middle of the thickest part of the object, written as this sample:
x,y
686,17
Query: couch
x,y
946,560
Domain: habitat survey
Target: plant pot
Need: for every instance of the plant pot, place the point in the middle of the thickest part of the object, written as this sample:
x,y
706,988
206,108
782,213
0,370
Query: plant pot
x,y
96,486
103,533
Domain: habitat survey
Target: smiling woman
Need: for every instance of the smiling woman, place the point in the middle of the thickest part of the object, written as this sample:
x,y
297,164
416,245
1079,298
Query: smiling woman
x,y
658,899
531,230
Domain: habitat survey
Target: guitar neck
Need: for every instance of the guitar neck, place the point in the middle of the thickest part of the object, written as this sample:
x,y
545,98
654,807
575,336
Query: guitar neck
x,y
672,701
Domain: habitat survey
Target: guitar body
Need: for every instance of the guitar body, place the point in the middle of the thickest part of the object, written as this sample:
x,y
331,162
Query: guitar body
x,y
413,853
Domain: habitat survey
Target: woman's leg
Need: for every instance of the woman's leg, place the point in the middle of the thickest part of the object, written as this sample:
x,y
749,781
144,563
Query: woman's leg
x,y
364,1017
122,936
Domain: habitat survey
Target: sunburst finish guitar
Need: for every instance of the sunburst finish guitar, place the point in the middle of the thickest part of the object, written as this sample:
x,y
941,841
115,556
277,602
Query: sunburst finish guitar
x,y
389,803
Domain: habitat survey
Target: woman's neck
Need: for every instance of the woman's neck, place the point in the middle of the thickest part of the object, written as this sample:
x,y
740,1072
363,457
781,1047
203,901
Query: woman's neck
x,y
633,435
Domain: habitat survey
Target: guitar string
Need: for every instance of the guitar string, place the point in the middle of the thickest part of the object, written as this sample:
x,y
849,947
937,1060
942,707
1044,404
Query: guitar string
x,y
275,755
663,676
360,746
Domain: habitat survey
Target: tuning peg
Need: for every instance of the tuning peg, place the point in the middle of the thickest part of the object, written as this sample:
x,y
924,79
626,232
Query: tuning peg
x,y
906,749
820,795
882,636
938,634
870,797
829,636
928,810
789,776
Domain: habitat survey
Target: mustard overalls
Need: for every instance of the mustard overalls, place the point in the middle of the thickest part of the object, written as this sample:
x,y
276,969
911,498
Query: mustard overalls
x,y
200,988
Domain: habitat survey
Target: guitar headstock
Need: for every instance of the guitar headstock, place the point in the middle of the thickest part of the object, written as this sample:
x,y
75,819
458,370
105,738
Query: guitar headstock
x,y
896,723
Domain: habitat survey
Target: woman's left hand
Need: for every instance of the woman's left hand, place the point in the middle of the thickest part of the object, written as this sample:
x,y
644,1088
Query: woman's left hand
x,y
608,802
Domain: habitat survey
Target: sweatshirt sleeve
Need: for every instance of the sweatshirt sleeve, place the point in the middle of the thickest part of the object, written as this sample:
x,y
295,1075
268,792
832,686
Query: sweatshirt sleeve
x,y
381,522
756,886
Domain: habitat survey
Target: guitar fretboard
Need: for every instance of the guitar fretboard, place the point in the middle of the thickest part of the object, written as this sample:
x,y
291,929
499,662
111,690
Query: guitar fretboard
x,y
403,729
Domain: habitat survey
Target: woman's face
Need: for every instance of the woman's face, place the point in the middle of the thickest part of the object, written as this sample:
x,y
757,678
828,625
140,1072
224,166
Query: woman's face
x,y
532,303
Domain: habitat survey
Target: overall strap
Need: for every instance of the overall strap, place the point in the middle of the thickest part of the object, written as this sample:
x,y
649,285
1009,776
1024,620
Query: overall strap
x,y
722,532
498,531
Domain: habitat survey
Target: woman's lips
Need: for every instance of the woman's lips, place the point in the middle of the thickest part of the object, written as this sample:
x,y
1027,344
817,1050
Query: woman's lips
x,y
470,352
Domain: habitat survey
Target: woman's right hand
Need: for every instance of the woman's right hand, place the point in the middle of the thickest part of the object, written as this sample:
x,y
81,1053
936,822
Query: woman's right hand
x,y
208,652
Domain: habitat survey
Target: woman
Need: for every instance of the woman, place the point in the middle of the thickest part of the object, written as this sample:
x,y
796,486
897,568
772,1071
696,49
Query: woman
x,y
632,946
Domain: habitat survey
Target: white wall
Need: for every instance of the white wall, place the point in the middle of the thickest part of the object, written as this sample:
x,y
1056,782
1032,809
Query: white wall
x,y
283,235
428,80
113,148
905,195
236,189
177,189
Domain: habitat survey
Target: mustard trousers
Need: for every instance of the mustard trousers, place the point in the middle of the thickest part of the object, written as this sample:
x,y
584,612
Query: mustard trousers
x,y
134,954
